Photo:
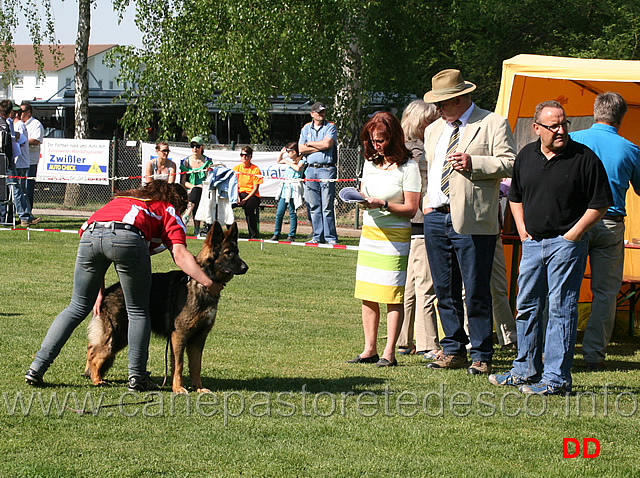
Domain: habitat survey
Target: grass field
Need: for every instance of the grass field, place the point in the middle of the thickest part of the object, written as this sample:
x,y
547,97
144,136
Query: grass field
x,y
283,401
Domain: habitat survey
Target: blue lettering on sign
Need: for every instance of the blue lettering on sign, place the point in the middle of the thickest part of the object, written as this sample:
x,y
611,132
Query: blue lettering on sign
x,y
67,159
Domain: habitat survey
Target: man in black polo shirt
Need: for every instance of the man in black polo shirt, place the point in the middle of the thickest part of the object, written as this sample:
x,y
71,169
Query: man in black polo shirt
x,y
559,190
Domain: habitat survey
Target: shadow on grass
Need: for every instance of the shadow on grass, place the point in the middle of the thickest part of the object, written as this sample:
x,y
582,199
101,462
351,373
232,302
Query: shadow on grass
x,y
294,384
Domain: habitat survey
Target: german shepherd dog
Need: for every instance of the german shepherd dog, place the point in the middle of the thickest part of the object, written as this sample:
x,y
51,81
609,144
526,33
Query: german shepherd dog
x,y
181,310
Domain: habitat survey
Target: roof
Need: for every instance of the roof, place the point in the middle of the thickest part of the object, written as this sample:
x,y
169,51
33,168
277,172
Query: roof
x,y
25,61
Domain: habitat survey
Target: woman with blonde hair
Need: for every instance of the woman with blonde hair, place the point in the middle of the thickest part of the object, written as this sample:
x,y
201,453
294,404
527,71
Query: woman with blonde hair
x,y
391,189
419,299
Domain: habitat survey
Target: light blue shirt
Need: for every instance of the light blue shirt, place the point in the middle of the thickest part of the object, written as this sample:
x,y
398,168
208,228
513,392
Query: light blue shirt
x,y
620,157
310,133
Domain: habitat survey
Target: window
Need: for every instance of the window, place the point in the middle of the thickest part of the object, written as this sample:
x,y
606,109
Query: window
x,y
19,82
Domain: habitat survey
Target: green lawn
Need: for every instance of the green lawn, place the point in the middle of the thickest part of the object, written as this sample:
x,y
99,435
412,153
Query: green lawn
x,y
283,401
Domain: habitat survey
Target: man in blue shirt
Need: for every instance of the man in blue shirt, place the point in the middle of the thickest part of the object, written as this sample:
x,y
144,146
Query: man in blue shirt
x,y
317,143
621,160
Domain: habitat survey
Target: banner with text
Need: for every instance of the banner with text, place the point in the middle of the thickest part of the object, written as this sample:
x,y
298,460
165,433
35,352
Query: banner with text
x,y
83,161
266,161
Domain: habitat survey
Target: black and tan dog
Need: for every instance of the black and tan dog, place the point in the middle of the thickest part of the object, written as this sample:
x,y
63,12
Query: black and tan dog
x,y
181,310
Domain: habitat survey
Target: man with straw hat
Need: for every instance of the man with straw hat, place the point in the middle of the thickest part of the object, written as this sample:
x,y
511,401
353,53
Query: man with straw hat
x,y
468,150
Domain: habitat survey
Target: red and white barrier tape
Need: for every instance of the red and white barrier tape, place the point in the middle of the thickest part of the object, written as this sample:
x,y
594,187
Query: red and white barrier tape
x,y
264,241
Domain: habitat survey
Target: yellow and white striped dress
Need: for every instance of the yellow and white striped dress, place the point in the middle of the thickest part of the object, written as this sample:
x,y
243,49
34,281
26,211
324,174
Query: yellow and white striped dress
x,y
385,241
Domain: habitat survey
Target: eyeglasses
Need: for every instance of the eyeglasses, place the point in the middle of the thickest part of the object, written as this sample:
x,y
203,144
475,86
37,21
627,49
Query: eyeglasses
x,y
554,128
196,145
164,150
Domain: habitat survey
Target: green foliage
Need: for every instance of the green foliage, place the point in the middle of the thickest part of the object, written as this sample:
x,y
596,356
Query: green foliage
x,y
236,55
36,14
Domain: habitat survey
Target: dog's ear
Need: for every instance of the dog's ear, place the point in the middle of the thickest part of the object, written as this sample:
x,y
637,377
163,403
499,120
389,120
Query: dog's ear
x,y
233,232
216,234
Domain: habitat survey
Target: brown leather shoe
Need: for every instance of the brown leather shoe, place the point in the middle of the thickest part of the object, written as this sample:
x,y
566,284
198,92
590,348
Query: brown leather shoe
x,y
449,361
478,367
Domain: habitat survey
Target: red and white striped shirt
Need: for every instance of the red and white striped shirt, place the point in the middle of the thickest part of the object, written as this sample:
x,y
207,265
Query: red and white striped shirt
x,y
158,220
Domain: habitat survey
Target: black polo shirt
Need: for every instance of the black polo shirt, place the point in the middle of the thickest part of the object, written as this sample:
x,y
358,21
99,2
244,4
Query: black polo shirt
x,y
555,193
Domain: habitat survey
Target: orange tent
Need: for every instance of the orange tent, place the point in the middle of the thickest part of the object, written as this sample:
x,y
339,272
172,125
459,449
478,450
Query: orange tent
x,y
530,79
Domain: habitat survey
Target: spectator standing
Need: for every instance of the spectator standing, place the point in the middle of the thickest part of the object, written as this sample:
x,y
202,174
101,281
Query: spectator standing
x,y
558,192
35,132
291,192
20,201
391,188
419,297
317,143
21,156
249,181
621,160
193,170
469,150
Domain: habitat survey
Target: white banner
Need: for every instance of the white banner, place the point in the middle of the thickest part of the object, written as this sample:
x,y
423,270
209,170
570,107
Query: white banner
x,y
84,161
266,161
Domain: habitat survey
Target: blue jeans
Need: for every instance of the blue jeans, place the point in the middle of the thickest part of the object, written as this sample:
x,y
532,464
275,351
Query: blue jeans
x,y
20,201
293,217
97,250
551,268
31,183
321,196
455,259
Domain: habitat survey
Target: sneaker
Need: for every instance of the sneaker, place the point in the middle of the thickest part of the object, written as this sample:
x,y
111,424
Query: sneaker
x,y
312,241
31,222
275,237
541,388
196,231
479,367
332,243
138,383
291,238
449,361
506,379
33,378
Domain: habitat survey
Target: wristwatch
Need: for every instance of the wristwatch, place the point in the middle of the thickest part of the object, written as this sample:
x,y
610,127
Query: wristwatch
x,y
385,207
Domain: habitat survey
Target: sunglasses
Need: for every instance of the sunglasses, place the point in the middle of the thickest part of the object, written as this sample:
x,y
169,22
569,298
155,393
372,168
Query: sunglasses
x,y
164,150
196,145
246,154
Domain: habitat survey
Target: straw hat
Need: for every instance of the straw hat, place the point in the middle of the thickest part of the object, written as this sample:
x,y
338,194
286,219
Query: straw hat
x,y
446,85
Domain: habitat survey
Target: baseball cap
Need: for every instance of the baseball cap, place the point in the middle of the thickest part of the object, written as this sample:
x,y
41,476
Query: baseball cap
x,y
317,107
197,139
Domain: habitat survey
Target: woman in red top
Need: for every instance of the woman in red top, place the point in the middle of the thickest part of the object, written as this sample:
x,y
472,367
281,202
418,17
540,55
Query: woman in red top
x,y
125,232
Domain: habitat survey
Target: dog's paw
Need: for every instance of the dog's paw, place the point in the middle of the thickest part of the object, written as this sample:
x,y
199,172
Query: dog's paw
x,y
203,390
180,391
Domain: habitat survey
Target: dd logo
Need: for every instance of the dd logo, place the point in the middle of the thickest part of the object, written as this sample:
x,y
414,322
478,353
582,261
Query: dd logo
x,y
576,448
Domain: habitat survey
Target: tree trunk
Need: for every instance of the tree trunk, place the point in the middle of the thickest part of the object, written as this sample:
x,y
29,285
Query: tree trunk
x,y
348,99
74,194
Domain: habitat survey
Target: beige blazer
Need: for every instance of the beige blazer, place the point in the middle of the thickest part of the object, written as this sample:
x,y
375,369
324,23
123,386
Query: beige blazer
x,y
474,194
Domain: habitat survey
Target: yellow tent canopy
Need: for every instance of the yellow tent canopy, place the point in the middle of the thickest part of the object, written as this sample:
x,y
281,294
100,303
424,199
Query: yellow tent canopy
x,y
575,82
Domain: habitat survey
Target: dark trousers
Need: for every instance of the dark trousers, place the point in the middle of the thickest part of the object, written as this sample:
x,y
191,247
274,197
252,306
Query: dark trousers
x,y
457,259
252,214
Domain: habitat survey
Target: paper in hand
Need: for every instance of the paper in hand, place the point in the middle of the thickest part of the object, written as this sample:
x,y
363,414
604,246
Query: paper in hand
x,y
351,195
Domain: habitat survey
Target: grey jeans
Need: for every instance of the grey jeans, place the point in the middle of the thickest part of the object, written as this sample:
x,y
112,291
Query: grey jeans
x,y
606,254
98,249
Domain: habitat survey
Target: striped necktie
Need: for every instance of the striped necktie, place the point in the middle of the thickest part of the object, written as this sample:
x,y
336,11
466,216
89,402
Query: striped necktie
x,y
446,167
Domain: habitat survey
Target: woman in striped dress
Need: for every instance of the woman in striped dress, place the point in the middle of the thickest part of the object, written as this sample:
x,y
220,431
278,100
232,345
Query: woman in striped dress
x,y
391,187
